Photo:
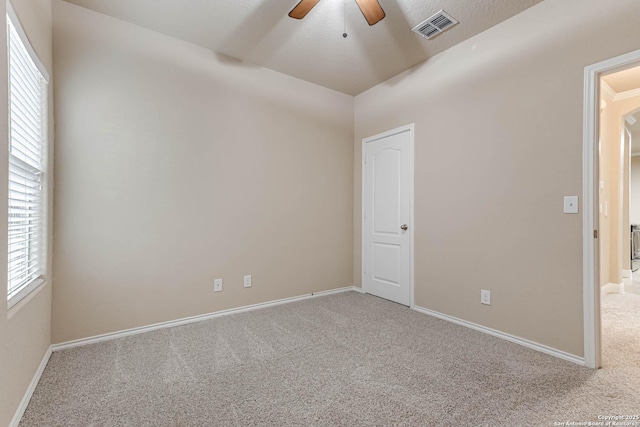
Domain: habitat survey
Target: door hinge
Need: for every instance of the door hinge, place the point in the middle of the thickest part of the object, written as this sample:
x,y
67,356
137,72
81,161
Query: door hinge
x,y
595,234
365,160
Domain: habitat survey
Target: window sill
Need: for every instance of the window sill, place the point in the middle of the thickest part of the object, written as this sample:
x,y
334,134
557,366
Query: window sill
x,y
30,289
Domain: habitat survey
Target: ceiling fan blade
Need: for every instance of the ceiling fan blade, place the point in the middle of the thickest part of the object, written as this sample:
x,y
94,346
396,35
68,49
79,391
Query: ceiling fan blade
x,y
302,8
371,10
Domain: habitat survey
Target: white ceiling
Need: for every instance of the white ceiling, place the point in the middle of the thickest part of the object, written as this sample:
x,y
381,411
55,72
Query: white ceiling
x,y
313,49
625,80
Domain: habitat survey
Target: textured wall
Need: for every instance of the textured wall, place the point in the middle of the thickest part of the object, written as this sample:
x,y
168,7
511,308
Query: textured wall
x,y
25,328
498,144
177,166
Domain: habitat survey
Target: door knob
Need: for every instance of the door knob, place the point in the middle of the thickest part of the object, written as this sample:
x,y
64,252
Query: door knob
x,y
404,227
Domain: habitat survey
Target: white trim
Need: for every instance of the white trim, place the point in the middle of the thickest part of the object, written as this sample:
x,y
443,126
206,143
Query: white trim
x,y
627,94
612,288
193,319
508,337
591,298
357,289
32,387
607,92
589,197
24,292
312,294
25,40
411,129
412,174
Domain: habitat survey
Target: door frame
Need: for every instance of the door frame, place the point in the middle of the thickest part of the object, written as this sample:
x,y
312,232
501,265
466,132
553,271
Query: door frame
x,y
590,197
411,129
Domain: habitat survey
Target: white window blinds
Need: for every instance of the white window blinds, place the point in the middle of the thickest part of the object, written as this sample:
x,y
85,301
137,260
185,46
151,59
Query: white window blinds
x,y
27,140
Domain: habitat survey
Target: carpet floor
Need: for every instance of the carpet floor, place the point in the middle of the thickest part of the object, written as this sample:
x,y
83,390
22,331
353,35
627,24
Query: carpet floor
x,y
339,360
621,327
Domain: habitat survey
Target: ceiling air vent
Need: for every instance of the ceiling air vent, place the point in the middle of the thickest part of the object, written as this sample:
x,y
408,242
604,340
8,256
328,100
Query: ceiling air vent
x,y
435,25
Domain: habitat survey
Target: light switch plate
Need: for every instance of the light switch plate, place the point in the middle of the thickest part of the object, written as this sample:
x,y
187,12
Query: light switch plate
x,y
485,297
571,204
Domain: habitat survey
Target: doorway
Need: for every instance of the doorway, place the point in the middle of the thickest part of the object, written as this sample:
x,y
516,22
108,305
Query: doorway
x,y
619,303
609,99
387,209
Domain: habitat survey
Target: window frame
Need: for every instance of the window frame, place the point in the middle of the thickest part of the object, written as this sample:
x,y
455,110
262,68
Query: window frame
x,y
37,282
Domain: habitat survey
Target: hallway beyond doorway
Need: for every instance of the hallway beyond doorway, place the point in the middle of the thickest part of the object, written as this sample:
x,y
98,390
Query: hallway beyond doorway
x,y
620,325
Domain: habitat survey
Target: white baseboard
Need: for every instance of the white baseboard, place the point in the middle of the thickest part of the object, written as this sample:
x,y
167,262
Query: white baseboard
x,y
321,293
192,319
626,277
511,338
32,387
612,288
357,289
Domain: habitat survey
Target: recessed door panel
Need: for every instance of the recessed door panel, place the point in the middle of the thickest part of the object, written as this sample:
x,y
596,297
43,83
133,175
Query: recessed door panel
x,y
386,263
386,165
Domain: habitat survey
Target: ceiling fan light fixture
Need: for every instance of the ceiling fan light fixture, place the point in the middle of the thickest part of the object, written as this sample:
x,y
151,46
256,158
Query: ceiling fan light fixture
x,y
371,10
302,8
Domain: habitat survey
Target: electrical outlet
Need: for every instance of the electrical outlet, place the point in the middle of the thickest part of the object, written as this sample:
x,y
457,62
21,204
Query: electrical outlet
x,y
485,297
247,281
217,285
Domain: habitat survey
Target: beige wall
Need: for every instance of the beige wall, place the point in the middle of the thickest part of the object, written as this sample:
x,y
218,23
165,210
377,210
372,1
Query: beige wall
x,y
626,234
614,230
25,328
498,144
607,159
176,166
610,152
634,208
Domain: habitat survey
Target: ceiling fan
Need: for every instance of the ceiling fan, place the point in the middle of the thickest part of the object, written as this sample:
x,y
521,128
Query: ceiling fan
x,y
371,10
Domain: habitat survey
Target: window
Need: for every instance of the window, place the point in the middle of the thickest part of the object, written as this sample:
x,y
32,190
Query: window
x,y
27,159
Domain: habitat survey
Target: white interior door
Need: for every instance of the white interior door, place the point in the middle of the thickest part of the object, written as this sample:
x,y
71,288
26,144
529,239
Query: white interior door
x,y
387,215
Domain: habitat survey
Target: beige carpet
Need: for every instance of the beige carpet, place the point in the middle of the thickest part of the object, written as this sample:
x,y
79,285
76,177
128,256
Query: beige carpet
x,y
341,360
621,327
